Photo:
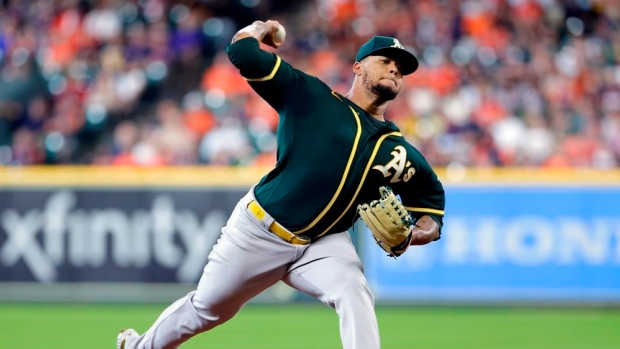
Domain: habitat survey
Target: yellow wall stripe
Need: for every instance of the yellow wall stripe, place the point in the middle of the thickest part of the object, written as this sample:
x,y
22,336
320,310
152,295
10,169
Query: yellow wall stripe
x,y
180,176
523,175
112,176
273,71
344,175
424,210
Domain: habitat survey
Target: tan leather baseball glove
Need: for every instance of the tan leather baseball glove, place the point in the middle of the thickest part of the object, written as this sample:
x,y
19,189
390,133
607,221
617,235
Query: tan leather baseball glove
x,y
389,222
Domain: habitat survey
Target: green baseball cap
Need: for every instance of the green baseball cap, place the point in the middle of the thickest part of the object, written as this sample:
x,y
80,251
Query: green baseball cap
x,y
389,47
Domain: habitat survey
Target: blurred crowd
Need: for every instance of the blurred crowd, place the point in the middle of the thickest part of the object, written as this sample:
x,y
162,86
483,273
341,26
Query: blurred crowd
x,y
148,82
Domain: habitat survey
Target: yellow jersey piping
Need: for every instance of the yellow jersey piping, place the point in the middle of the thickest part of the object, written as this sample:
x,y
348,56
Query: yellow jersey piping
x,y
273,71
427,210
359,187
344,176
335,95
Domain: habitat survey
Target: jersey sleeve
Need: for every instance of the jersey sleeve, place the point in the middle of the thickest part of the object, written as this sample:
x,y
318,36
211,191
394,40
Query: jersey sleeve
x,y
425,196
276,81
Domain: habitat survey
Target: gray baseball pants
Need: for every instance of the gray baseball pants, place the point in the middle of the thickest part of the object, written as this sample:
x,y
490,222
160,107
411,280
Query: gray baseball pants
x,y
246,260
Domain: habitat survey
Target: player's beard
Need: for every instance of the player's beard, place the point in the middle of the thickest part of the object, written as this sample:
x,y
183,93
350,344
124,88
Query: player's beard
x,y
382,92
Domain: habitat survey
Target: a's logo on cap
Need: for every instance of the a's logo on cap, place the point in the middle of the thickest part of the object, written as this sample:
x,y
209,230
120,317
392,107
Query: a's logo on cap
x,y
397,44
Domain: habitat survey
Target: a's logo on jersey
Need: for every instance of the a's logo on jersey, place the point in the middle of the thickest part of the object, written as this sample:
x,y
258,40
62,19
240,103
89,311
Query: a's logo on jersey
x,y
397,44
399,164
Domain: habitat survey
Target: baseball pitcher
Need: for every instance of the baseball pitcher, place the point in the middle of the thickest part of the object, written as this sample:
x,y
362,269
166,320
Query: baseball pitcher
x,y
337,159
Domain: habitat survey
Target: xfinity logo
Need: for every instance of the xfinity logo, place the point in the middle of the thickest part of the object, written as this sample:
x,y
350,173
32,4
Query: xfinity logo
x,y
59,233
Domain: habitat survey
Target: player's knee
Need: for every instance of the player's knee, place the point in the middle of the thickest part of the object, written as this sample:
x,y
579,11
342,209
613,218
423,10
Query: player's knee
x,y
215,312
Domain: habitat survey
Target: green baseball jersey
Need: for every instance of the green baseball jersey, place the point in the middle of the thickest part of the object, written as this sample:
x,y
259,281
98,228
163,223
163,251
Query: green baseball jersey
x,y
332,155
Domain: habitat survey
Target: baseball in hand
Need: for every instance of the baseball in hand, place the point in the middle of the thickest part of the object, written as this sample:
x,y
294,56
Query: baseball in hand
x,y
280,34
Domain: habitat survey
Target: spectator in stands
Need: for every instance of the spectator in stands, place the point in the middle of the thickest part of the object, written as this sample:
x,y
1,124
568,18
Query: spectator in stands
x,y
503,83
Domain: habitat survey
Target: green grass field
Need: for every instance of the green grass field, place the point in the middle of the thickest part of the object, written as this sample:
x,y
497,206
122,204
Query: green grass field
x,y
37,326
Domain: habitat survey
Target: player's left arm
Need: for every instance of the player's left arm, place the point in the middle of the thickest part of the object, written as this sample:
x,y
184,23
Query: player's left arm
x,y
424,198
424,231
400,166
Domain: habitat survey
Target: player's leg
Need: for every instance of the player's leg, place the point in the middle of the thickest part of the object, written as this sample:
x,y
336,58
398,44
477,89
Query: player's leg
x,y
331,271
246,260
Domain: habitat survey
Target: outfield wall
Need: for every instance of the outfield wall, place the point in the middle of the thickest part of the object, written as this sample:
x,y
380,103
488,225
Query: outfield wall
x,y
114,234
508,243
